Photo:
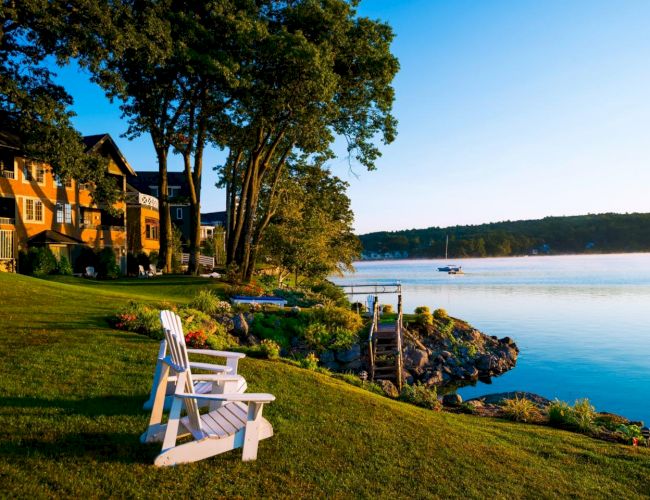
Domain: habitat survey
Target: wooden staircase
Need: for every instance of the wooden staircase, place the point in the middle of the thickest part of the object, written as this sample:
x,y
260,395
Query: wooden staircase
x,y
385,347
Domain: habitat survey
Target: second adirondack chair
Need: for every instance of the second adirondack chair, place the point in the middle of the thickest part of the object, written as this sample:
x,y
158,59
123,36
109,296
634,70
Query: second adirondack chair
x,y
236,423
172,322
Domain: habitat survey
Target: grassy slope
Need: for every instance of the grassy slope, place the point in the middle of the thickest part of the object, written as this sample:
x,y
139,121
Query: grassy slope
x,y
70,404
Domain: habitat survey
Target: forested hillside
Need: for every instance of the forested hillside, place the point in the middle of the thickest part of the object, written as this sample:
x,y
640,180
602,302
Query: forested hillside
x,y
601,233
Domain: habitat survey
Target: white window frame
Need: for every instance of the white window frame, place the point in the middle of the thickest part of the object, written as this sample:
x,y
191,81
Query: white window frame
x,y
172,191
59,183
63,213
30,169
179,213
33,219
154,190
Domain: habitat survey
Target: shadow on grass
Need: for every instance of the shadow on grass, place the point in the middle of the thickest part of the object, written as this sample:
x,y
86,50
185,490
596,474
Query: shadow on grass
x,y
103,406
96,446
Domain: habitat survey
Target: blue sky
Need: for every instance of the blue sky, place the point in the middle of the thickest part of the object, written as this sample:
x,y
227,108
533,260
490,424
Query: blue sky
x,y
507,110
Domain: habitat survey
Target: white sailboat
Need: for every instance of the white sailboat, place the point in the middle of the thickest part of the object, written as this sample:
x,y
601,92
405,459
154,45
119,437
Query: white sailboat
x,y
450,268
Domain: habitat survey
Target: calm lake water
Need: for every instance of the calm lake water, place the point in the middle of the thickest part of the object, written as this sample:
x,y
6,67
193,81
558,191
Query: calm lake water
x,y
582,323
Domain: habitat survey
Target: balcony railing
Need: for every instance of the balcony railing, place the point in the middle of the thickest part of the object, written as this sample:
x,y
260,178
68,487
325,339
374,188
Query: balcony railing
x,y
142,199
7,174
7,220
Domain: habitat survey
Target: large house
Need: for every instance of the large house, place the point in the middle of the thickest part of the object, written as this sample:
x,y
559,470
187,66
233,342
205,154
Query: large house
x,y
37,208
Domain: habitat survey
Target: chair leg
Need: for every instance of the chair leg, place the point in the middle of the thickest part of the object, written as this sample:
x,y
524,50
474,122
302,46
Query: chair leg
x,y
251,433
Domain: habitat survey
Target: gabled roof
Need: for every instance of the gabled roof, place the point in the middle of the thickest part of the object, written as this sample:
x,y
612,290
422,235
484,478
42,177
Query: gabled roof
x,y
147,178
51,236
9,140
94,142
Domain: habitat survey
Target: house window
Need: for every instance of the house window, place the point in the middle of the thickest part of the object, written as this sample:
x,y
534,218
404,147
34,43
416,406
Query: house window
x,y
27,171
63,183
179,213
33,210
154,191
151,229
63,213
34,171
172,191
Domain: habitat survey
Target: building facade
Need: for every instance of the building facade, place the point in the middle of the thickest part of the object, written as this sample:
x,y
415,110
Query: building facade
x,y
37,208
143,222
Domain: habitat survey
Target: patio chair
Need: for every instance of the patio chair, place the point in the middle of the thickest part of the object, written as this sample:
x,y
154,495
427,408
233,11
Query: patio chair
x,y
90,272
153,271
236,423
172,322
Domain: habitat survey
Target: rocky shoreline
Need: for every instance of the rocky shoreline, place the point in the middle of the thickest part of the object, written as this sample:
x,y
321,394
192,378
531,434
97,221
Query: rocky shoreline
x,y
450,352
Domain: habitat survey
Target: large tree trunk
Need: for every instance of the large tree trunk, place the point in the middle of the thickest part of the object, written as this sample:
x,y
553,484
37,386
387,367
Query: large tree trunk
x,y
165,254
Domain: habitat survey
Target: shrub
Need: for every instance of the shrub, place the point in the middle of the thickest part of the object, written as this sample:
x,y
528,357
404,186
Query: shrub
x,y
424,318
194,320
310,361
278,328
520,409
139,318
580,416
387,309
196,339
205,301
440,314
422,310
331,293
221,340
629,432
584,415
106,264
63,267
560,414
334,317
37,261
418,394
270,349
250,290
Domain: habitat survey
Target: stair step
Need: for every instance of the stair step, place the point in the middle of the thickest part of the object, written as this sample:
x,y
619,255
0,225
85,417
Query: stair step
x,y
385,368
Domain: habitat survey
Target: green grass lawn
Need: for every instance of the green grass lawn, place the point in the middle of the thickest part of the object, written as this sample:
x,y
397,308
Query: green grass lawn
x,y
72,392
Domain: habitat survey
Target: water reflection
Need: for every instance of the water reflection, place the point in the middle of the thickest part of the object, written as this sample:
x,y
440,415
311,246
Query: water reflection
x,y
581,322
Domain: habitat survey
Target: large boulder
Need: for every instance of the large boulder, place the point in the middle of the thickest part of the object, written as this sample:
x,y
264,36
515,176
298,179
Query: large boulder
x,y
240,325
416,360
349,355
452,400
434,378
389,388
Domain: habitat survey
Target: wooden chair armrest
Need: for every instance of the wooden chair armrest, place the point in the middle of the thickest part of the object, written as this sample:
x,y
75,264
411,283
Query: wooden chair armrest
x,y
244,398
208,377
210,367
220,354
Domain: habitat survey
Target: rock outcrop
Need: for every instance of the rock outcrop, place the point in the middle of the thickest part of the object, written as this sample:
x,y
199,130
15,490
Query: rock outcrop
x,y
450,352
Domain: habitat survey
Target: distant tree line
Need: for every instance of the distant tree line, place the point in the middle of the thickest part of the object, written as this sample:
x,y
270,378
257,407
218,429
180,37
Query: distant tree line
x,y
600,233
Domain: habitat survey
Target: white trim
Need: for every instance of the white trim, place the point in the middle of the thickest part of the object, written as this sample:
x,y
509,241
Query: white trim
x,y
179,210
24,213
32,173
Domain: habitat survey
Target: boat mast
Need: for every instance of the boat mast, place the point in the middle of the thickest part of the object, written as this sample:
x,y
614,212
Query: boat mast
x,y
446,247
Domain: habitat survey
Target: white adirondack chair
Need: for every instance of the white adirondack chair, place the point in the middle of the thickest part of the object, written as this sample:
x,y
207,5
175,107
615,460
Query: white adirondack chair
x,y
236,423
90,272
172,322
153,271
141,273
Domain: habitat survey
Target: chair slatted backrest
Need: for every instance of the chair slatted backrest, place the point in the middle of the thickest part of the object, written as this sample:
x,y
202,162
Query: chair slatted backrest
x,y
173,328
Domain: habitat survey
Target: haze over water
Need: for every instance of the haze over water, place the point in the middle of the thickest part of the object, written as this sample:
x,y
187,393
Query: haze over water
x,y
582,323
